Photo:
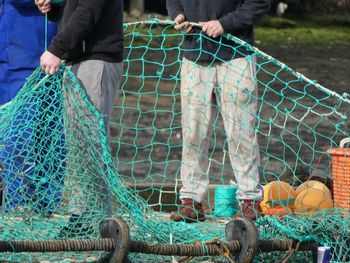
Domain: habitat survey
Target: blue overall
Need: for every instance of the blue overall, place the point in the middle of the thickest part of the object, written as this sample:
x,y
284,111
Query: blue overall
x,y
28,180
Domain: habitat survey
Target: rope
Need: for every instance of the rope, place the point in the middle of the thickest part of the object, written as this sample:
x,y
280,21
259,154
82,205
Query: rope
x,y
206,249
209,248
284,245
103,244
290,252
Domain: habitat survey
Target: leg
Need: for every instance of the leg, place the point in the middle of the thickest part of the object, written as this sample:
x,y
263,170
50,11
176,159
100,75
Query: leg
x,y
238,100
197,83
16,153
100,80
51,153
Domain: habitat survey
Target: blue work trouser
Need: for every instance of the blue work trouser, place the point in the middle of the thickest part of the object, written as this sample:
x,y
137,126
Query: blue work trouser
x,y
32,148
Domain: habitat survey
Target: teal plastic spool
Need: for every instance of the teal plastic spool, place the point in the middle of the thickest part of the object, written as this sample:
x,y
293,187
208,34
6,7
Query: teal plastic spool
x,y
225,202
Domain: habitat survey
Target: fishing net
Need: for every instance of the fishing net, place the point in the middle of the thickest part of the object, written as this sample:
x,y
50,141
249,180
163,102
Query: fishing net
x,y
57,159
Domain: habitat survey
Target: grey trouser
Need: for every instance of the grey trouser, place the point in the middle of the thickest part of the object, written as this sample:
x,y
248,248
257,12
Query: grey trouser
x,y
236,91
100,80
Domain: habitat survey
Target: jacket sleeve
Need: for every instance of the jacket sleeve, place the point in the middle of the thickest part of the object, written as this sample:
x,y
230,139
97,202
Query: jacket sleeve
x,y
174,8
245,15
78,27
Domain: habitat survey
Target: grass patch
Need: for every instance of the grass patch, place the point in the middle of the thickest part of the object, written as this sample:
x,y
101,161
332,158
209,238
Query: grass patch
x,y
316,30
319,37
276,22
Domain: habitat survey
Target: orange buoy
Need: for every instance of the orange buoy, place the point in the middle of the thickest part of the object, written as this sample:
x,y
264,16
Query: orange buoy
x,y
312,200
313,184
278,199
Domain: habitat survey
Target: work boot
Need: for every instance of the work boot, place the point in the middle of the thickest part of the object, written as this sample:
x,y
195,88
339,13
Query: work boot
x,y
249,209
190,212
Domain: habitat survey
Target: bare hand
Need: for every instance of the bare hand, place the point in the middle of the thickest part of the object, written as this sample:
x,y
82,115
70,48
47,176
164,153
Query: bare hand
x,y
43,5
182,24
49,63
213,28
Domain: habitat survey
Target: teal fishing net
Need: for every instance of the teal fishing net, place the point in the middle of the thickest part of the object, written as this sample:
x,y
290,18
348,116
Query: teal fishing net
x,y
56,154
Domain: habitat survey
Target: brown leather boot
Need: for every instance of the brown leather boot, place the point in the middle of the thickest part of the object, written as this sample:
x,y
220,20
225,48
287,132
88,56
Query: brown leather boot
x,y
249,209
190,212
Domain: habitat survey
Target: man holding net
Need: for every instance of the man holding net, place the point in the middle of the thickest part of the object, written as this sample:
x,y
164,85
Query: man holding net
x,y
20,47
90,41
213,65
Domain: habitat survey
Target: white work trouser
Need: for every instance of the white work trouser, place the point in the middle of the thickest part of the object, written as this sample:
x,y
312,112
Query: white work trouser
x,y
234,85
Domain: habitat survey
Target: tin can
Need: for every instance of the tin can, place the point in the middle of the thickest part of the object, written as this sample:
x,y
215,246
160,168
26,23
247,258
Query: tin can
x,y
323,255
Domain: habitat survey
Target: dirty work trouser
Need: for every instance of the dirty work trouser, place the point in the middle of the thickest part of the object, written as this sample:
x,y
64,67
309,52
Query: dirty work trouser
x,y
236,92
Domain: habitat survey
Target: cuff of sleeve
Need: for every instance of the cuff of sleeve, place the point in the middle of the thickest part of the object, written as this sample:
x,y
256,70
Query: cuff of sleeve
x,y
175,14
58,52
228,23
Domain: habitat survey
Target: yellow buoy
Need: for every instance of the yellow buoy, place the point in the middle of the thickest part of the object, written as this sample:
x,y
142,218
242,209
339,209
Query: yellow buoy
x,y
312,184
312,200
278,198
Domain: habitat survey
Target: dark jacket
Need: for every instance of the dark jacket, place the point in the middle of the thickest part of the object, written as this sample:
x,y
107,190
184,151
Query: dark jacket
x,y
89,29
22,40
236,17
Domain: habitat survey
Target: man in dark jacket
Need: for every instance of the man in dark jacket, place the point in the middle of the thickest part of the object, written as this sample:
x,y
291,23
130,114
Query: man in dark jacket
x,y
215,65
90,41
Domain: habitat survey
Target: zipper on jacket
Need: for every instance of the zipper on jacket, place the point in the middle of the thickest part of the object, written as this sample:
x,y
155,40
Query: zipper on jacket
x,y
83,46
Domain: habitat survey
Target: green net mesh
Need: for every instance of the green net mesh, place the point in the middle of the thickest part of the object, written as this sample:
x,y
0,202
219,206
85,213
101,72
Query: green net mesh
x,y
56,153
